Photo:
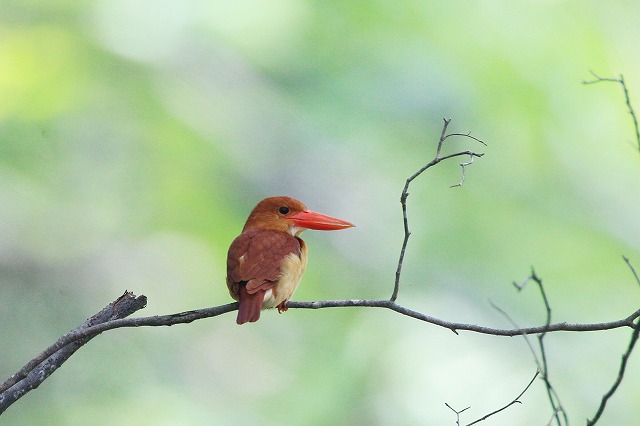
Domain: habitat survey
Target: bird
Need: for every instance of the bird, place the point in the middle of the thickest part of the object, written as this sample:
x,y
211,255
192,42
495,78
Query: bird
x,y
267,260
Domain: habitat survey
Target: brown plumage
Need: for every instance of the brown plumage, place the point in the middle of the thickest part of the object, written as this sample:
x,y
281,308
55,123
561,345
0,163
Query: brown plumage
x,y
266,261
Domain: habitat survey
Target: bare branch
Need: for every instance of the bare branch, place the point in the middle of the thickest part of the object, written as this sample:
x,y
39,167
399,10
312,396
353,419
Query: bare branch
x,y
43,365
627,100
554,399
87,333
623,362
405,191
455,327
621,371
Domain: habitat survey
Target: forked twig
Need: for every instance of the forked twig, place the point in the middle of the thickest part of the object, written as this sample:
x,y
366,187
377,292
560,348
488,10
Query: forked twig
x,y
405,191
457,412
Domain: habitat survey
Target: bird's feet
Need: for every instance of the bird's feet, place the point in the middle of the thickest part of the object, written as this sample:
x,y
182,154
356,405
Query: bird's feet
x,y
282,307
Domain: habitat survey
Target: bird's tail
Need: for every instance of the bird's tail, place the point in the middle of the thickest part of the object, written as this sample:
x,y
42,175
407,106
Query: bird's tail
x,y
250,305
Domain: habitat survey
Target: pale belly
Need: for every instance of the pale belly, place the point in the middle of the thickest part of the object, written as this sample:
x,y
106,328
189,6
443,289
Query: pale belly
x,y
290,275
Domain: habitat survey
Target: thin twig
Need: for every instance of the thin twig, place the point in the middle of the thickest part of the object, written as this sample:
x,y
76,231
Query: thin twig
x,y
457,412
516,400
633,270
405,191
463,165
553,417
627,99
525,336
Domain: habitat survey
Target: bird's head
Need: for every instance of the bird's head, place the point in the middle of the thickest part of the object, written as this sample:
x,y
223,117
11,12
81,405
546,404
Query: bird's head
x,y
286,214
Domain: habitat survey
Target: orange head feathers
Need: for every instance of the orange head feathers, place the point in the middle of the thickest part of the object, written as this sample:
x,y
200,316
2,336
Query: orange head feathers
x,y
286,214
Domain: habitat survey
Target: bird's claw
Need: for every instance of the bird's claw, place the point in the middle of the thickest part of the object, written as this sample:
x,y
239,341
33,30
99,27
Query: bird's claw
x,y
282,307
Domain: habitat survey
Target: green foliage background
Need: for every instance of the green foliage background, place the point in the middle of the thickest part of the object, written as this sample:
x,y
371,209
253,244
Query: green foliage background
x,y
135,136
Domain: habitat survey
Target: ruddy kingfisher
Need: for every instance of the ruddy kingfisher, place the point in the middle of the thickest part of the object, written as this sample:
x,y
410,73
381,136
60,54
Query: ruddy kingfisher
x,y
266,261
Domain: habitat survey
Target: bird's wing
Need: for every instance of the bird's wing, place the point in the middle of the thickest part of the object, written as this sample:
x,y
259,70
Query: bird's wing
x,y
255,259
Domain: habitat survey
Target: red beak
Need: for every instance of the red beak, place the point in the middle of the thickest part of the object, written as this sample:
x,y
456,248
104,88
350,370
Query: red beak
x,y
318,221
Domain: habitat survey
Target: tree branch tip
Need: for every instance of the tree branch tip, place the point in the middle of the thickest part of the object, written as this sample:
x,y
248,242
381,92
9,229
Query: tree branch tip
x,y
633,270
456,411
599,78
130,295
464,135
125,295
468,135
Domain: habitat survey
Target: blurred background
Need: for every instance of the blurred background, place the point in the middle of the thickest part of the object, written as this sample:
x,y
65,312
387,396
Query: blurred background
x,y
136,136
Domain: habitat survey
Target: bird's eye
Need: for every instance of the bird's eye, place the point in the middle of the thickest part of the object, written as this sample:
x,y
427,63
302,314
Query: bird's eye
x,y
283,210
